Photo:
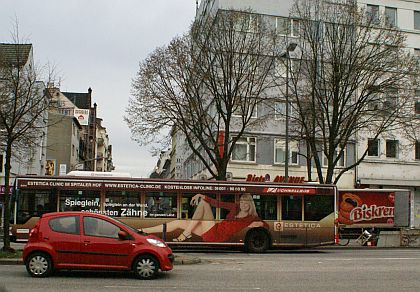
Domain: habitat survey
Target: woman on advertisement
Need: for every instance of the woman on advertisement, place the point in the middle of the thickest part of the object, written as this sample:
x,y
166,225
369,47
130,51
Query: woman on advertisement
x,y
203,223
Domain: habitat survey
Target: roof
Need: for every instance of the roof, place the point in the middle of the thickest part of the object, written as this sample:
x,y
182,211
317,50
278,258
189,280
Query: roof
x,y
15,54
80,99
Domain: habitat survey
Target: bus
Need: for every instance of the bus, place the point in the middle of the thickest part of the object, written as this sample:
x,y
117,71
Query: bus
x,y
252,215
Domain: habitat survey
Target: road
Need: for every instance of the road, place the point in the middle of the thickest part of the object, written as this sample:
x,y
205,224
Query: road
x,y
314,270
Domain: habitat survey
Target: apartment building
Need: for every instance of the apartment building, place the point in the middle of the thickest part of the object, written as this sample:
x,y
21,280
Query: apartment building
x,y
103,151
31,161
77,139
393,160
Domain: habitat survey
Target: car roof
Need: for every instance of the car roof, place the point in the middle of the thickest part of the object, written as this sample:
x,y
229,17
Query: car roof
x,y
73,213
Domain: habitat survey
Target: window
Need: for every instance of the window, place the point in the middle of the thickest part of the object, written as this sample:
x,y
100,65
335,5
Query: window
x,y
99,227
392,148
340,162
244,149
266,206
374,103
416,19
68,224
318,207
1,163
280,151
373,147
34,203
295,28
280,68
280,110
390,101
416,103
417,150
269,22
391,16
239,109
291,208
254,22
122,204
188,209
283,25
73,200
373,13
161,205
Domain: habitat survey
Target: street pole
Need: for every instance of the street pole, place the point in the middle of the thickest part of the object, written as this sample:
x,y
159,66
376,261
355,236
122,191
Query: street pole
x,y
286,160
291,47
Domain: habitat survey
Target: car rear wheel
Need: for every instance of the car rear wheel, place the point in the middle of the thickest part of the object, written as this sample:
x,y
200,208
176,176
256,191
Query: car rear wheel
x,y
39,265
257,241
146,267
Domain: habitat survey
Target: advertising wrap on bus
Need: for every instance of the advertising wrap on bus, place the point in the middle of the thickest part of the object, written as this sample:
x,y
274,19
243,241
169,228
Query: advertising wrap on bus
x,y
369,207
254,215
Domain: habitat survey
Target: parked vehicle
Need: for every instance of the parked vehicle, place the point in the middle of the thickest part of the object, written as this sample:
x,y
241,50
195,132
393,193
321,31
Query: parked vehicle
x,y
83,240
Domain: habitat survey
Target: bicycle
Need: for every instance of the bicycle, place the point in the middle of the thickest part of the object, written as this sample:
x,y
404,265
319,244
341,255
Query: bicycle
x,y
343,239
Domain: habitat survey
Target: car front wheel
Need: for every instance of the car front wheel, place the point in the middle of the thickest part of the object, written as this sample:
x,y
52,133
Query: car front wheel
x,y
39,265
146,267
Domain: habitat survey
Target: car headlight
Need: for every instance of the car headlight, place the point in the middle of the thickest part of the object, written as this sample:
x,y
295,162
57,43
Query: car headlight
x,y
156,242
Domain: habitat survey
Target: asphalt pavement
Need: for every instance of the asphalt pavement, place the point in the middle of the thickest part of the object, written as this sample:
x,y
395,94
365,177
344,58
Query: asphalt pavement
x,y
184,258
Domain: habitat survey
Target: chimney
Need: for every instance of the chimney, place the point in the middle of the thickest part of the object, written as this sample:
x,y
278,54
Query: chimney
x,y
90,97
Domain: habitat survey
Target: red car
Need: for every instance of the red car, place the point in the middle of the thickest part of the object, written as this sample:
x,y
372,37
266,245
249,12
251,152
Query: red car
x,y
81,240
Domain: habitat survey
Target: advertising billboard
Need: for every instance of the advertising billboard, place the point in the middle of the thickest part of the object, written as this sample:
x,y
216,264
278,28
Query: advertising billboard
x,y
82,115
368,207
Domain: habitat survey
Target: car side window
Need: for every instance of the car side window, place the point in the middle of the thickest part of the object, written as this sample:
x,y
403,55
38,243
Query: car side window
x,y
67,224
98,227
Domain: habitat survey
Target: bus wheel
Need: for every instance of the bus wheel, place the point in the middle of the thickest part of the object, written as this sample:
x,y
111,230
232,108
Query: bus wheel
x,y
257,241
39,265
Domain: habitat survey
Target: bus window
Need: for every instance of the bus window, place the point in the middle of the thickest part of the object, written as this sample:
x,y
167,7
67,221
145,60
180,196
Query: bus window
x,y
187,210
266,206
291,208
85,200
229,199
160,205
34,204
123,204
317,207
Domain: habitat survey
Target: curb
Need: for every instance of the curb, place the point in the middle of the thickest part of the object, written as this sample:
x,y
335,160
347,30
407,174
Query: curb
x,y
11,261
182,260
179,260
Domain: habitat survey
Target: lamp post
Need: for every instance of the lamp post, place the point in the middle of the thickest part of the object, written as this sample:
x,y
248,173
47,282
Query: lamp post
x,y
290,48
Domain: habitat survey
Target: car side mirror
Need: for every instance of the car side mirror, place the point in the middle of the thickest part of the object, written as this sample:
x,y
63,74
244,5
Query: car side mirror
x,y
122,235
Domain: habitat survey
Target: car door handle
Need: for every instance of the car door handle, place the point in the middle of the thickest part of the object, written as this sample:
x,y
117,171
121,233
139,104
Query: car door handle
x,y
86,242
46,238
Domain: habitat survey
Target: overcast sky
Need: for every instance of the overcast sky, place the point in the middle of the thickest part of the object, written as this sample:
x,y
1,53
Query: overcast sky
x,y
98,44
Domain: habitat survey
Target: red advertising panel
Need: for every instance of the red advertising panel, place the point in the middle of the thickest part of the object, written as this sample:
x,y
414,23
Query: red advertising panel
x,y
358,207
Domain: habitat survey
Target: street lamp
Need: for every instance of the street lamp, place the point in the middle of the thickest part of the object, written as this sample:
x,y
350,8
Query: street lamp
x,y
290,48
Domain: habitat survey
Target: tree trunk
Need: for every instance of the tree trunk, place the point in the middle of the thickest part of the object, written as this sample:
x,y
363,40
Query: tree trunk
x,y
6,238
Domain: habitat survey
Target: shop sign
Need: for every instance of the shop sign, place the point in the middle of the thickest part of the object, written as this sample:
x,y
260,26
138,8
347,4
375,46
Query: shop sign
x,y
3,189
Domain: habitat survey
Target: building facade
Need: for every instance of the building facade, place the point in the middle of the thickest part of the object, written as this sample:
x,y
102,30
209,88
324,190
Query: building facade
x,y
393,160
77,139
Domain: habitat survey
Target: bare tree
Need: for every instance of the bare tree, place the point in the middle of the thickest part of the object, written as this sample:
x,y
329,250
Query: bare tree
x,y
351,75
23,108
207,85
